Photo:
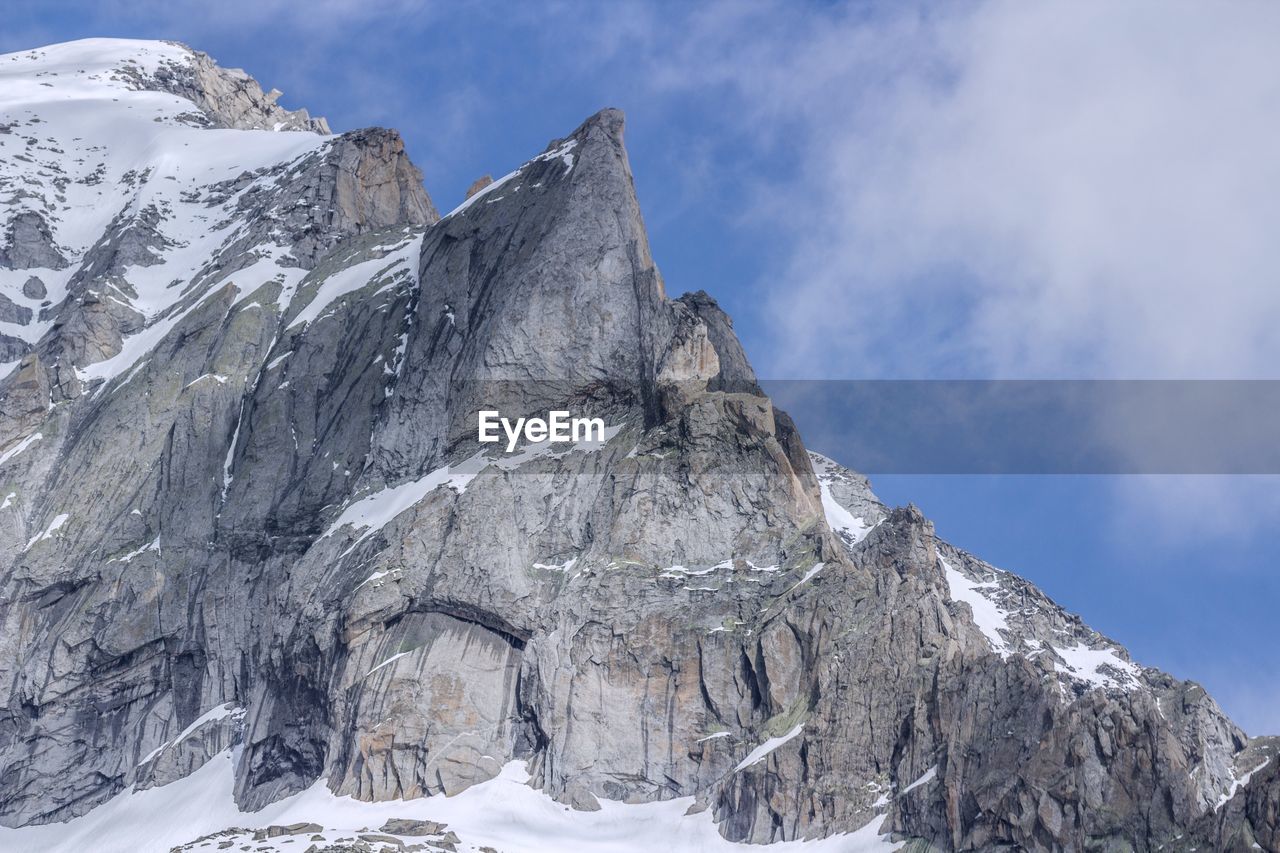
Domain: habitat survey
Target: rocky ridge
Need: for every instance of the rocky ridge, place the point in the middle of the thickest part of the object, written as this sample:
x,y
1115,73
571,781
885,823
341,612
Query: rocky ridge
x,y
303,569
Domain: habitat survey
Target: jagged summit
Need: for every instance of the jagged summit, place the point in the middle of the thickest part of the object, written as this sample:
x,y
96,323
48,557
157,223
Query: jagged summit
x,y
127,69
253,556
132,201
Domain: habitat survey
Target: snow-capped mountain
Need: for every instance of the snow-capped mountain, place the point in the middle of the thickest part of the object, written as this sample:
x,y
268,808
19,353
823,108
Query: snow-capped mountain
x,y
262,588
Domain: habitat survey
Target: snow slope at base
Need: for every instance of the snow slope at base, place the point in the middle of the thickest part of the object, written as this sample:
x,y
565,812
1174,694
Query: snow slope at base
x,y
503,813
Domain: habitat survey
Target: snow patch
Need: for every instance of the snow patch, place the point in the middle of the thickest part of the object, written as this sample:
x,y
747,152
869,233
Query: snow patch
x,y
762,751
376,576
374,512
401,261
1098,667
808,576
19,447
53,527
557,567
924,779
504,813
219,712
153,545
840,519
990,619
1238,782
389,660
216,377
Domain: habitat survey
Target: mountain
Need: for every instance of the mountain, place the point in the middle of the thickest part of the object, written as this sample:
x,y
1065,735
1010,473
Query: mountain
x,y
263,588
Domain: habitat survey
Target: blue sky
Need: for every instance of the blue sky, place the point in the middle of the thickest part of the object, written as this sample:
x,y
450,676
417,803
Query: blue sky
x,y
977,189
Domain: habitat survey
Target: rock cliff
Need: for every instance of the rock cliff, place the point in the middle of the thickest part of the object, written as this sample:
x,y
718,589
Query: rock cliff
x,y
247,525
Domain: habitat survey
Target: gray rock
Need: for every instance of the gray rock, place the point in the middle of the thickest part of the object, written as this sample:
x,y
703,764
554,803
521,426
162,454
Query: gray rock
x,y
28,244
12,312
12,349
33,288
695,607
291,829
227,97
404,826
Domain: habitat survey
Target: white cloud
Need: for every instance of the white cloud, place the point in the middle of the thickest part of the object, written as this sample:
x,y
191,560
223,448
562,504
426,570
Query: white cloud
x,y
1003,189
1010,189
1083,190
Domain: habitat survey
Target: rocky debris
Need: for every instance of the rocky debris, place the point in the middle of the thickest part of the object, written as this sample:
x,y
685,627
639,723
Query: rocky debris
x,y
319,839
404,826
292,829
302,525
479,184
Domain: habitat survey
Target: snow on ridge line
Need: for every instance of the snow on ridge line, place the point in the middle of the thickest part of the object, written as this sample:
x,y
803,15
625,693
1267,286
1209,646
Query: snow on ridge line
x,y
504,813
839,518
563,152
1097,668
143,156
87,58
479,194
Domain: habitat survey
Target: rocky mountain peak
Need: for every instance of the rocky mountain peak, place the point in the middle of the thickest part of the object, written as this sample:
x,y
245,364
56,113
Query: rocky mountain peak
x,y
251,546
183,185
229,97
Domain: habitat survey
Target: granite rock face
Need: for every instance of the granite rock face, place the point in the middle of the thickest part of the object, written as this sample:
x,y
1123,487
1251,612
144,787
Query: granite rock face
x,y
227,97
28,243
245,509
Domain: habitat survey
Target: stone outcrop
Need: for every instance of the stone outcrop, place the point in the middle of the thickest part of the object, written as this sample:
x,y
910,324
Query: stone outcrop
x,y
479,184
28,244
227,97
274,532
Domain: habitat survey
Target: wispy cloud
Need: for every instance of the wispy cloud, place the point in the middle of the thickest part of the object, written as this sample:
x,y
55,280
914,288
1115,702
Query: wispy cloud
x,y
1001,189
1015,189
996,188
